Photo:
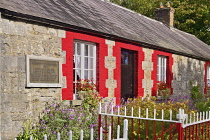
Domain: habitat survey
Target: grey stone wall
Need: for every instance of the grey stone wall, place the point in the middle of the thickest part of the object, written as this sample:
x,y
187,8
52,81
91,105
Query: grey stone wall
x,y
185,70
19,103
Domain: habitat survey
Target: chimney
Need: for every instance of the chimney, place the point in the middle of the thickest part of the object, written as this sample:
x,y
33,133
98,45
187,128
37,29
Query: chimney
x,y
165,14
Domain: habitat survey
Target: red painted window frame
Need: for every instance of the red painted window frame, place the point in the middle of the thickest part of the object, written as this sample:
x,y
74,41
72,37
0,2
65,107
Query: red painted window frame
x,y
117,72
169,73
67,68
205,77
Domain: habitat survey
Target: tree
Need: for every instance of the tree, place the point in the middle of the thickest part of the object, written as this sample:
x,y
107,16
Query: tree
x,y
191,16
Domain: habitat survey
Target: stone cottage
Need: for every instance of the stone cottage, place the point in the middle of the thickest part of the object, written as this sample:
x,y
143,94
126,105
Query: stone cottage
x,y
46,46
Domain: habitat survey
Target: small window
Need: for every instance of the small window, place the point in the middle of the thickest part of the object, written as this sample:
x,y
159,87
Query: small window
x,y
84,61
161,68
208,76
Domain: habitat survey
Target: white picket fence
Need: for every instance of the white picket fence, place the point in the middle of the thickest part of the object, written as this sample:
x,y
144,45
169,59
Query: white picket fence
x,y
181,117
196,118
101,137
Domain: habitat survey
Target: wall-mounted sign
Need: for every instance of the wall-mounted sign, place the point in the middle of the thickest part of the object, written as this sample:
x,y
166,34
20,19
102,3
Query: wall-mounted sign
x,y
43,71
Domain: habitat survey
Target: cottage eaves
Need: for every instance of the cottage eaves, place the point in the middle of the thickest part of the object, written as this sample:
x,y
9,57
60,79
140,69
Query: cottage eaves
x,y
112,21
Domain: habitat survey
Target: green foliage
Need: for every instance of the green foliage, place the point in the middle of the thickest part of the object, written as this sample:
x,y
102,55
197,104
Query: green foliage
x,y
195,91
91,100
27,131
201,101
191,16
62,118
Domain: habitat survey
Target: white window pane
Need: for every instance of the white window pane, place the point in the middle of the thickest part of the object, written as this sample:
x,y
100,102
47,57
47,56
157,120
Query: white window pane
x,y
161,68
86,63
75,48
91,74
86,50
86,74
165,69
78,62
82,60
208,72
91,51
91,63
78,48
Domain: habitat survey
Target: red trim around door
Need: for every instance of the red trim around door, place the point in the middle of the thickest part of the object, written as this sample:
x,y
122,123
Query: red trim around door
x,y
117,71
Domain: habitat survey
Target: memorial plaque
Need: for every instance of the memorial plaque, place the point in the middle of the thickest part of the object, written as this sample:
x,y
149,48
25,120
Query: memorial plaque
x,y
43,72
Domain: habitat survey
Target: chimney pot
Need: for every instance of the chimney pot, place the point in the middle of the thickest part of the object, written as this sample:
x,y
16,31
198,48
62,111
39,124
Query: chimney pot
x,y
168,4
161,5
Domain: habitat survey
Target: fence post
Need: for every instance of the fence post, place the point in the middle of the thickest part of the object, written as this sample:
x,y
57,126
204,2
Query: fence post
x,y
45,137
101,134
81,134
180,131
181,117
58,136
91,134
99,120
70,135
110,133
118,132
125,129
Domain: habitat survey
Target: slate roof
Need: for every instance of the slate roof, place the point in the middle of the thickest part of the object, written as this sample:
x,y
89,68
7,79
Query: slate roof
x,y
111,20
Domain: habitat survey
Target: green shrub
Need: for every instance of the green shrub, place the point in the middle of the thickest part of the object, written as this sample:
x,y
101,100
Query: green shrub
x,y
62,118
27,131
201,101
91,100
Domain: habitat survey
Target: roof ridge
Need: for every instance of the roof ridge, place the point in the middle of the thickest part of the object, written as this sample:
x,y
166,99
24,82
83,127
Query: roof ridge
x,y
182,31
123,7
